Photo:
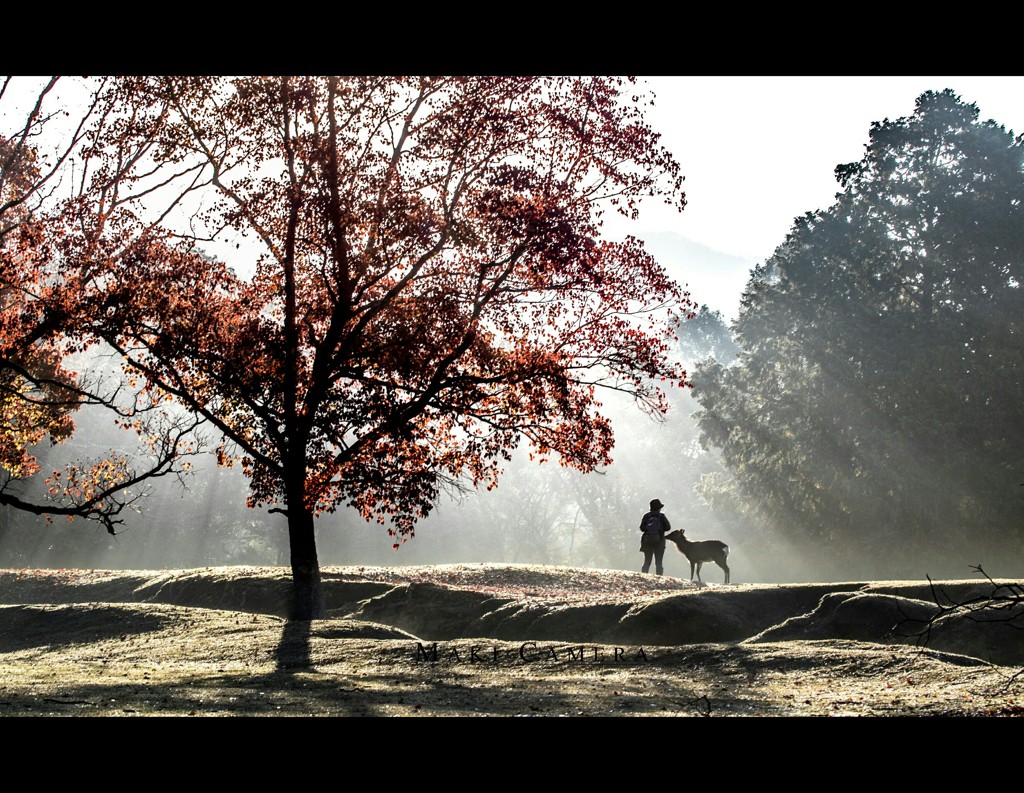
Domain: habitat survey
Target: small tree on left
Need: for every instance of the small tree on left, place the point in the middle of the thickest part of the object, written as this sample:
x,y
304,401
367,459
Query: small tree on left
x,y
40,312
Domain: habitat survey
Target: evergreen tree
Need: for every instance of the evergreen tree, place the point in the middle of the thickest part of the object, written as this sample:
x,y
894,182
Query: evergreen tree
x,y
874,413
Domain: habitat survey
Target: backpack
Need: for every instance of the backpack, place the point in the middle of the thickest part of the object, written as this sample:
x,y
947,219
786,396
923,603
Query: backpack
x,y
653,526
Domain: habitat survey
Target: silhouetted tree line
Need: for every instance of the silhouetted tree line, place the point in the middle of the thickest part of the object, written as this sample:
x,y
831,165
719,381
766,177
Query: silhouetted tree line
x,y
873,420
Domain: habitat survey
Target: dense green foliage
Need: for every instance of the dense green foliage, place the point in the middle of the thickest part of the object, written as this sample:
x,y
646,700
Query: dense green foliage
x,y
874,417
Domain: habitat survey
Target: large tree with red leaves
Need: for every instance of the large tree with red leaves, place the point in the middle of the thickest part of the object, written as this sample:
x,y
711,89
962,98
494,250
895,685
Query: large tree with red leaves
x,y
418,280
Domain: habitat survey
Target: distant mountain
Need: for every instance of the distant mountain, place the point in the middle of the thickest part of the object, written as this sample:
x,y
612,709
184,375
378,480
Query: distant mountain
x,y
712,277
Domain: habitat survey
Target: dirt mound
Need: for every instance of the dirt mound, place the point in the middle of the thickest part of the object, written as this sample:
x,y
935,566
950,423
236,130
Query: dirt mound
x,y
991,634
526,583
31,626
538,602
71,586
235,589
858,616
430,611
360,629
256,590
724,614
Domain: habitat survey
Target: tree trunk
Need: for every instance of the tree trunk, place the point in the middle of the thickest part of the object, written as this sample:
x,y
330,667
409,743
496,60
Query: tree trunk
x,y
307,601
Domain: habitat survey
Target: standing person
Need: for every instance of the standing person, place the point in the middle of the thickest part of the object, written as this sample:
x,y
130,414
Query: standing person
x,y
652,541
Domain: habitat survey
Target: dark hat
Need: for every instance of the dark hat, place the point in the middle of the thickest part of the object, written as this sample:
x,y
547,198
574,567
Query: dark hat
x,y
655,504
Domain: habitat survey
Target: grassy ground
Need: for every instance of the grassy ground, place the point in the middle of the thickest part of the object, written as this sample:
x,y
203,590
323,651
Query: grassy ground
x,y
113,657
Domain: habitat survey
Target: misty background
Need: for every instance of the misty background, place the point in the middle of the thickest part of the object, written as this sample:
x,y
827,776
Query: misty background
x,y
856,411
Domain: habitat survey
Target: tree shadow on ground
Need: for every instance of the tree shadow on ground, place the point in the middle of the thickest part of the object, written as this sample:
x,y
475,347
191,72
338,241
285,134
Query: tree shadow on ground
x,y
312,693
28,626
292,651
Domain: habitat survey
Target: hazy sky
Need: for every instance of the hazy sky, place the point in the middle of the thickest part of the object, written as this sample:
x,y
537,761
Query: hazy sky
x,y
759,151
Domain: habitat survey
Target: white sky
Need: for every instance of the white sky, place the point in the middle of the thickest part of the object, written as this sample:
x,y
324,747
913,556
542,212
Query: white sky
x,y
759,151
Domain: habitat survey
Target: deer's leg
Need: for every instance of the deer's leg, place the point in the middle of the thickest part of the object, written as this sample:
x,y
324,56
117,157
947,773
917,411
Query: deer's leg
x,y
725,567
699,565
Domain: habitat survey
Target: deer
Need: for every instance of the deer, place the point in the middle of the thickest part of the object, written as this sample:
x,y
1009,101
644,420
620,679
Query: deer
x,y
700,552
